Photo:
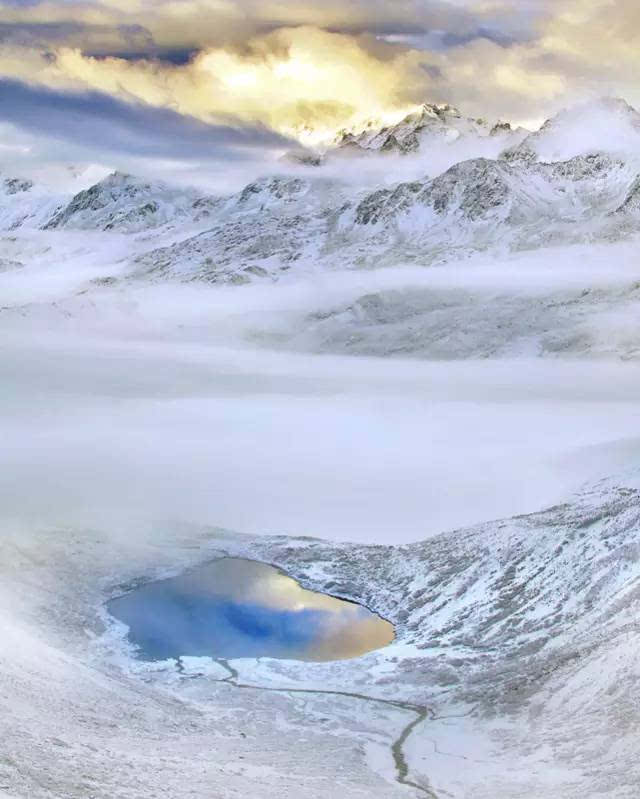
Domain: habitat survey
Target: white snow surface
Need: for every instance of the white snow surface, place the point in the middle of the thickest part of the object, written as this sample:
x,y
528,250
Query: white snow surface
x,y
312,361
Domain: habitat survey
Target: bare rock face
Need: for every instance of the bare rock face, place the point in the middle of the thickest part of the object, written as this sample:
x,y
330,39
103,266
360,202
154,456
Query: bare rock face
x,y
16,185
501,127
303,158
268,190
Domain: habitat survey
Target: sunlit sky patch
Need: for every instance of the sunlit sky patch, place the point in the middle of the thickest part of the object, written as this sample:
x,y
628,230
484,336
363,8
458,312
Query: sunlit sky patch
x,y
306,70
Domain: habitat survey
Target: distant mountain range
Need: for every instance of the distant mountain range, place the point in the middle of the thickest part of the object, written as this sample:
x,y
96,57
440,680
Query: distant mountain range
x,y
576,179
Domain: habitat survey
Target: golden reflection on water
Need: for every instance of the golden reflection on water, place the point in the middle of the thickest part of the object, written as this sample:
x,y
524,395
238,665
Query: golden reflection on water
x,y
234,607
346,630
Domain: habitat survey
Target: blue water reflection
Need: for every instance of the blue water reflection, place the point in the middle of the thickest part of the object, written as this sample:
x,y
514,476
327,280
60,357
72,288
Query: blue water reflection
x,y
235,608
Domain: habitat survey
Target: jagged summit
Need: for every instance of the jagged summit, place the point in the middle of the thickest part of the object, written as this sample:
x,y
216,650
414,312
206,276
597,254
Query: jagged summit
x,y
126,203
428,123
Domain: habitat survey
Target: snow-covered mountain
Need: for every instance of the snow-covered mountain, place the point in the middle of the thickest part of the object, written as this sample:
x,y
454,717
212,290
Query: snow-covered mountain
x,y
484,204
128,204
308,221
481,205
428,124
553,187
570,181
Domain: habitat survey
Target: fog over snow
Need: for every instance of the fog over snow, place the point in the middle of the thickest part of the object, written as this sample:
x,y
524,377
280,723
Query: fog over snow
x,y
151,402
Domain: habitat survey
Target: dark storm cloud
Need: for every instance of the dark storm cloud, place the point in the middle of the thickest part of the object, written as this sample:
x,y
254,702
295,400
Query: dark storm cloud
x,y
201,25
128,42
177,56
99,121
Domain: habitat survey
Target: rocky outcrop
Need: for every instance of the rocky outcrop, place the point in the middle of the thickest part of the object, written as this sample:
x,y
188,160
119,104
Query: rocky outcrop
x,y
127,204
428,122
16,185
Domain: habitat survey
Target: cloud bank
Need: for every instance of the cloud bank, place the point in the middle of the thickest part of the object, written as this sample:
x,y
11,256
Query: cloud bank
x,y
296,66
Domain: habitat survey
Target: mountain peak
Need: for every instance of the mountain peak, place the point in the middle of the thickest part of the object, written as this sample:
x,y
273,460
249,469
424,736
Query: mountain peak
x,y
124,202
428,122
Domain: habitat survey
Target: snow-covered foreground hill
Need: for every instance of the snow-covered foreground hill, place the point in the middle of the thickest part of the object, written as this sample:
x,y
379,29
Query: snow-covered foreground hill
x,y
324,356
513,673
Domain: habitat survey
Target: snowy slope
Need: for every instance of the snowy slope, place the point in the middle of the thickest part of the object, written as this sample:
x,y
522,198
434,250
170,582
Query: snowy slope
x,y
273,226
285,224
517,638
23,203
127,204
609,124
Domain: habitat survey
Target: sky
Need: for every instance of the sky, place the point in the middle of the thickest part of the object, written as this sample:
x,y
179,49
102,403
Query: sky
x,y
232,78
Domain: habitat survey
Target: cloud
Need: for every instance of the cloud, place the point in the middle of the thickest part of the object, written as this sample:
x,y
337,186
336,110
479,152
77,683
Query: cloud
x,y
293,65
213,22
290,79
97,120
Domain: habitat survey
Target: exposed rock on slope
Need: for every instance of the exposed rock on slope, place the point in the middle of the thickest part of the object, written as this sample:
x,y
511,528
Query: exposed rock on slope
x,y
16,185
269,192
263,231
127,204
476,205
429,123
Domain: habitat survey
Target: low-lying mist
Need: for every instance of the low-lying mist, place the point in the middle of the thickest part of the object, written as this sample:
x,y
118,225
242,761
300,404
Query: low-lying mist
x,y
184,403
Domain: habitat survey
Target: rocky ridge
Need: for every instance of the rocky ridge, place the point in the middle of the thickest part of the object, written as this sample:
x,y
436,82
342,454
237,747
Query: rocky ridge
x,y
427,124
309,221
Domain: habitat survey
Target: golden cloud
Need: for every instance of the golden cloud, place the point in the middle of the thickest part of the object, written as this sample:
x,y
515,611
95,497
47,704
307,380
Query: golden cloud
x,y
301,77
291,80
